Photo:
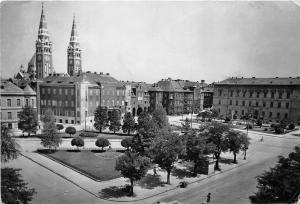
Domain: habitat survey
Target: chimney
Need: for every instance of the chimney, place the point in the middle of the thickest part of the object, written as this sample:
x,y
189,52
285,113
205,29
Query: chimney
x,y
95,72
202,81
107,74
101,73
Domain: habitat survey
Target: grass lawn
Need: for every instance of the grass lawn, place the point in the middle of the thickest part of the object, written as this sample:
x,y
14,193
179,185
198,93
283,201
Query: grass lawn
x,y
100,166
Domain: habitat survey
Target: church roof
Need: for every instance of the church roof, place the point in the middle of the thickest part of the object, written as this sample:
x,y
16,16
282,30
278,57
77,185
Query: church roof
x,y
260,81
28,90
8,87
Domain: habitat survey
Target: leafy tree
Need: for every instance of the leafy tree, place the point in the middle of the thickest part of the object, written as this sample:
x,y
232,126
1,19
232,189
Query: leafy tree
x,y
145,122
77,141
198,149
216,134
8,145
214,113
127,143
234,142
59,127
50,137
70,130
115,121
165,149
132,166
128,123
102,142
13,187
281,183
101,118
159,117
28,120
245,140
186,126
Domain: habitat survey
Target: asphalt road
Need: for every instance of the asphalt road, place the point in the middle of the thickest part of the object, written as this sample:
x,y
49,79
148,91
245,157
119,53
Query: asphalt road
x,y
237,185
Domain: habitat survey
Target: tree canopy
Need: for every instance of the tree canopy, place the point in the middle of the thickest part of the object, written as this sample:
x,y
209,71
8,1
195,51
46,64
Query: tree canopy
x,y
132,166
159,117
50,138
28,120
8,145
127,143
101,118
115,121
78,142
70,130
128,123
102,142
281,183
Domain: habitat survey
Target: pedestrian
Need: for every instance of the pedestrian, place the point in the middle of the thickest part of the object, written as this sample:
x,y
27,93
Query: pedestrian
x,y
208,198
154,170
262,138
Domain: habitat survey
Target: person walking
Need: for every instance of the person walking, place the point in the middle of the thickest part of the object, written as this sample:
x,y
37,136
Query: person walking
x,y
208,198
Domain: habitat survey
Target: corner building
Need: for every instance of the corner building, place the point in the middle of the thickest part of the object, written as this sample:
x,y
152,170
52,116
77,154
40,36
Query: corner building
x,y
269,99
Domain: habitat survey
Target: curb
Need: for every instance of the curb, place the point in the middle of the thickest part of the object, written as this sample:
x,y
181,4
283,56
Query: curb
x,y
123,201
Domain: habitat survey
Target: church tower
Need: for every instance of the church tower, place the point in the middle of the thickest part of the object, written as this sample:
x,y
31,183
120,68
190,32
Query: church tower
x,y
43,50
74,52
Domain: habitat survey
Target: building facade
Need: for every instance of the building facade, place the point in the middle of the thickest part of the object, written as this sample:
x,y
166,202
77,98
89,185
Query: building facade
x,y
74,52
12,100
43,45
74,99
269,99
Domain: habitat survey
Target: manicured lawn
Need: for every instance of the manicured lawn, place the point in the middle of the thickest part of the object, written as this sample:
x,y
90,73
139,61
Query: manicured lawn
x,y
100,166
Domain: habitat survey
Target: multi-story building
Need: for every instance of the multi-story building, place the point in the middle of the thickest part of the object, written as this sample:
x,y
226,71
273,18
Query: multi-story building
x,y
12,100
74,52
73,99
271,99
43,52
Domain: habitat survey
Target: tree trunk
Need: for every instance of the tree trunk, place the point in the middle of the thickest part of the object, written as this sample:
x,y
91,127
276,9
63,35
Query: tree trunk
x,y
217,161
195,169
100,130
128,132
102,148
168,176
131,189
234,157
28,134
245,154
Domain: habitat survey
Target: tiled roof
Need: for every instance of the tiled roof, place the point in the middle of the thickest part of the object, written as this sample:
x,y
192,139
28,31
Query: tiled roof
x,y
8,87
28,90
260,81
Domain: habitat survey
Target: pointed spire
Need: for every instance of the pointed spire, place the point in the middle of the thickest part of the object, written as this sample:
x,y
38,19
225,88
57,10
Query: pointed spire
x,y
74,34
43,25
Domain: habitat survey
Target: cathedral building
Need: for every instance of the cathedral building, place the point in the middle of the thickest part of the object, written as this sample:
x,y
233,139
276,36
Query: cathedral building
x,y
74,52
43,47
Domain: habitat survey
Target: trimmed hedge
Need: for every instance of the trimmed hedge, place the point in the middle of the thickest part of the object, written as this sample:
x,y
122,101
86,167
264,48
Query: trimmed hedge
x,y
88,134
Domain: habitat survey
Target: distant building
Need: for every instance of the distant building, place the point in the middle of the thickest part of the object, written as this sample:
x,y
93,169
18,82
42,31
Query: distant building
x,y
12,100
74,52
74,99
271,99
177,96
139,98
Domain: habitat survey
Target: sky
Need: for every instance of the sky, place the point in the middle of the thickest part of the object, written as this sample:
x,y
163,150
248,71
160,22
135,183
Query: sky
x,y
149,41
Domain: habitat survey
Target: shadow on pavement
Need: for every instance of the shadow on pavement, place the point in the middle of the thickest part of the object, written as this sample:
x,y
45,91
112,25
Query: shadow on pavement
x,y
226,160
182,173
150,181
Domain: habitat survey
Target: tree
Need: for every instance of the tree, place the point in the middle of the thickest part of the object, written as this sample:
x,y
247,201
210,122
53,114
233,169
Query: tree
x,y
165,148
281,183
28,120
115,121
132,166
50,137
216,134
145,122
159,117
245,144
128,123
59,127
101,118
186,126
127,143
77,141
13,187
198,149
214,113
8,145
70,130
234,142
102,142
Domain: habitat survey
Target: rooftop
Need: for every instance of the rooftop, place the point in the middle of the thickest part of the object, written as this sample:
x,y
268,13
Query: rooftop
x,y
260,81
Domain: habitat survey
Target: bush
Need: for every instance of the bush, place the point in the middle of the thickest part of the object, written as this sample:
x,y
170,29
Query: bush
x,y
77,141
259,123
227,119
102,142
249,126
70,130
59,127
278,129
183,184
266,129
291,126
126,143
88,134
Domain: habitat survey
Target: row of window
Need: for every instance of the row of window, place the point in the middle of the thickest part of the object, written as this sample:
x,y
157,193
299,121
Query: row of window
x,y
263,104
263,114
259,94
60,91
59,103
18,102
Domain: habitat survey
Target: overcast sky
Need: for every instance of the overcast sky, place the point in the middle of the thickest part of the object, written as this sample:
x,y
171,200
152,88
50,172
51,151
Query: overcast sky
x,y
148,41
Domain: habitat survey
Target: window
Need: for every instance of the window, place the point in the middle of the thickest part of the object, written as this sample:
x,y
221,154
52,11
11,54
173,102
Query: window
x,y
32,102
43,90
66,91
243,112
270,114
272,95
60,91
251,94
9,102
66,103
72,103
219,102
244,94
9,126
264,104
256,104
230,102
263,113
27,102
271,105
257,95
18,102
67,121
9,115
278,115
49,91
279,105
280,95
285,115
54,91
243,103
66,113
249,103
231,93
237,103
287,95
72,92
265,94
287,105
220,92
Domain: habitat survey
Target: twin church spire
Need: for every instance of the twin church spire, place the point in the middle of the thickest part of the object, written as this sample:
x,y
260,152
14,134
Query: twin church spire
x,y
44,66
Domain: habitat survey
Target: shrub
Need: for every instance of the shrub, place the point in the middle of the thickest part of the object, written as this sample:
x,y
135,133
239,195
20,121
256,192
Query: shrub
x,y
59,127
77,141
88,134
227,119
266,129
249,126
70,130
259,123
278,129
183,184
126,143
291,126
102,142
